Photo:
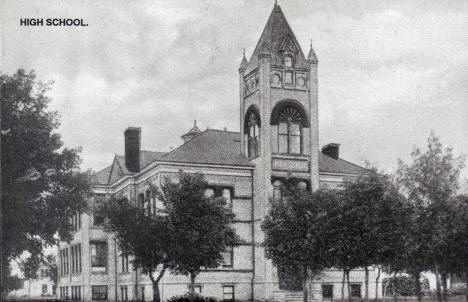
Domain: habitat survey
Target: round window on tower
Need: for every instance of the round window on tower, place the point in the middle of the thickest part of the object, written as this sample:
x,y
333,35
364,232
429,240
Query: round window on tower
x,y
275,79
301,82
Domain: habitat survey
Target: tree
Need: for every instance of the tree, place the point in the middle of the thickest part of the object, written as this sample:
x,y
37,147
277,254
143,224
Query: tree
x,y
376,220
431,182
41,183
146,237
200,225
30,267
296,233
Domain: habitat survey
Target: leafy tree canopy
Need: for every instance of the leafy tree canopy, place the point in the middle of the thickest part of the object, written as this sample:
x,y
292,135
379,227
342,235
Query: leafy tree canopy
x,y
201,225
41,182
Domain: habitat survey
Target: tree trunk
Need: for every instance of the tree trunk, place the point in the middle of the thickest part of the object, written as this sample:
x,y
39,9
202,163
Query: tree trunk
x,y
417,277
156,293
394,288
304,290
192,283
366,294
348,285
342,285
444,286
436,271
304,285
377,284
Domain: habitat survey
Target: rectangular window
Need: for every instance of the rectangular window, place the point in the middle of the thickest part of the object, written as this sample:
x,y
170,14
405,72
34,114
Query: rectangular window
x,y
72,252
76,221
283,137
66,293
79,257
295,145
54,290
44,289
228,293
98,220
76,293
356,290
227,197
228,257
124,293
98,256
67,269
327,292
99,292
124,260
142,293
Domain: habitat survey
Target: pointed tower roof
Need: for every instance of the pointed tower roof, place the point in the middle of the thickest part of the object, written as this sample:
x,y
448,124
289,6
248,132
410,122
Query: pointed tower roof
x,y
277,37
244,63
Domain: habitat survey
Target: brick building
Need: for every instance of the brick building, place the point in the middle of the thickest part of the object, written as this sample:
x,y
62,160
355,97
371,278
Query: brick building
x,y
278,140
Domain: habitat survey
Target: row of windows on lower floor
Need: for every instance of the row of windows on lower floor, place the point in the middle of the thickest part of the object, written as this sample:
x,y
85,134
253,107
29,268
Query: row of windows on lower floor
x,y
327,291
99,292
99,258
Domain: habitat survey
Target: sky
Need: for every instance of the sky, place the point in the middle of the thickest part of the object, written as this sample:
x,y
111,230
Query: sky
x,y
390,72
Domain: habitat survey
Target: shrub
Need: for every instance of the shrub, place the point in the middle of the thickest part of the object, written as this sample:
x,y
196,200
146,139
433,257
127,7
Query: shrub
x,y
191,298
405,285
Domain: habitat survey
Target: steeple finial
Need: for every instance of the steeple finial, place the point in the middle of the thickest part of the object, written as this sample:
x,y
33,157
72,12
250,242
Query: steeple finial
x,y
194,123
310,42
243,51
276,2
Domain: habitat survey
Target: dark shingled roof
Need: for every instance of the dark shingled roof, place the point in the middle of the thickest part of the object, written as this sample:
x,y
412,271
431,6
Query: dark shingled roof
x,y
274,34
146,158
340,166
210,147
221,148
101,177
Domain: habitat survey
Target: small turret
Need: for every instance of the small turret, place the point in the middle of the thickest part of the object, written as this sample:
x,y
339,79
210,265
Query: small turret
x,y
244,63
312,57
192,133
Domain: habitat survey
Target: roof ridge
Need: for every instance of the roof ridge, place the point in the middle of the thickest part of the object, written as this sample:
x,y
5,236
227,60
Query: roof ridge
x,y
220,130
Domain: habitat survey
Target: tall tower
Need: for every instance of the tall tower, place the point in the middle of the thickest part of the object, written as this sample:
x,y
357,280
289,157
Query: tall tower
x,y
279,126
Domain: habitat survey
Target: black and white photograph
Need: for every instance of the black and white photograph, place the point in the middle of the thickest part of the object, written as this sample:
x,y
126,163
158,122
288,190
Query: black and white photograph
x,y
234,150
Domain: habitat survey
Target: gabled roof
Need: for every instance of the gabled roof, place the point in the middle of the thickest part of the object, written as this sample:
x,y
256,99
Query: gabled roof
x,y
146,158
277,35
101,177
339,166
118,169
210,147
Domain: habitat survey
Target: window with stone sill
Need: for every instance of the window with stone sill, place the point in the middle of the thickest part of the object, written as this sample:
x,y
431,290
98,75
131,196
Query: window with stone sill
x,y
220,192
228,257
356,290
228,293
99,292
98,256
327,292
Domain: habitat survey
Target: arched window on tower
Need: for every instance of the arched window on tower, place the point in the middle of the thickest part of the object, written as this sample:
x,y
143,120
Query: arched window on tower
x,y
290,131
252,132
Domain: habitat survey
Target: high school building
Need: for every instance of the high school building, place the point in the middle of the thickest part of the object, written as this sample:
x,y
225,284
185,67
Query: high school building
x,y
278,140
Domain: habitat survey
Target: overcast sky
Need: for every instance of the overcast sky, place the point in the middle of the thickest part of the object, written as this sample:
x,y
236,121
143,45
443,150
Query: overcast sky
x,y
389,71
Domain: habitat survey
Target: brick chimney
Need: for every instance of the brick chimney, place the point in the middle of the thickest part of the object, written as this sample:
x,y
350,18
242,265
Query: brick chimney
x,y
132,148
332,150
